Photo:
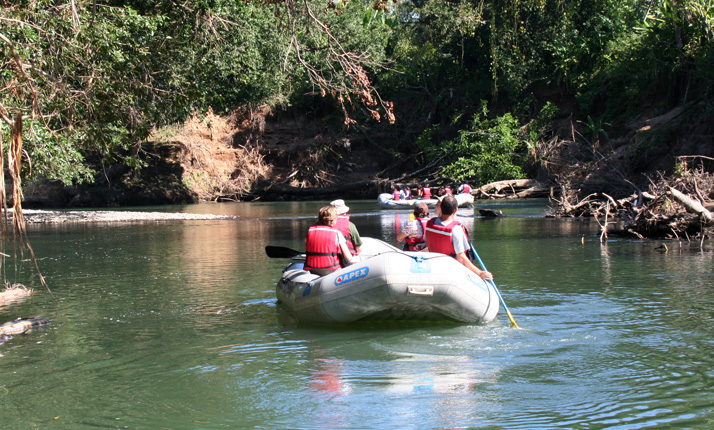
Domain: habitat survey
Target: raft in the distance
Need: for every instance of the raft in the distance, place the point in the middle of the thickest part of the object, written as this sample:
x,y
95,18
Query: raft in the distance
x,y
386,201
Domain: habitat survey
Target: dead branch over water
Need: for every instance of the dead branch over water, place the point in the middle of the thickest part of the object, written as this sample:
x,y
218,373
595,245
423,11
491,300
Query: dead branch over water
x,y
676,208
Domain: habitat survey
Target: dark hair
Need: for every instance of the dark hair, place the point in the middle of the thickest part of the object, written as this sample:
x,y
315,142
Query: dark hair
x,y
449,205
421,210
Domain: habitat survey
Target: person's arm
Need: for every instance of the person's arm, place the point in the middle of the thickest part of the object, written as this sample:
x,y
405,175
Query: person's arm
x,y
401,236
356,239
346,254
461,245
463,259
342,242
407,231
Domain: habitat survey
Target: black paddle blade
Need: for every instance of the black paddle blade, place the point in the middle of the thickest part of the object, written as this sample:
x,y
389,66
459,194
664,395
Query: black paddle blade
x,y
281,252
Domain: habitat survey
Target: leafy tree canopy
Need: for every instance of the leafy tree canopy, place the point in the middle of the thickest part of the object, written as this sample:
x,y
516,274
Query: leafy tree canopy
x,y
91,80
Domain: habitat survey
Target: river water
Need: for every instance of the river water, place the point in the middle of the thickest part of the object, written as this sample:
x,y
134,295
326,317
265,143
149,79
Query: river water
x,y
174,325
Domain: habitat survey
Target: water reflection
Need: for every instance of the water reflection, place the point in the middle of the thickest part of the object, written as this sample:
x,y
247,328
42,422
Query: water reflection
x,y
328,378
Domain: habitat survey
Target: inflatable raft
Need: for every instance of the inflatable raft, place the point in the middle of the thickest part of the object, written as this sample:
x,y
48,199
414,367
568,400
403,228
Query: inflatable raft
x,y
388,284
386,201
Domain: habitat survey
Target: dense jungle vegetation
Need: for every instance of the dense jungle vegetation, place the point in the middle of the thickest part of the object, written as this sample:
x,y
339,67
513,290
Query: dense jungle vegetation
x,y
593,96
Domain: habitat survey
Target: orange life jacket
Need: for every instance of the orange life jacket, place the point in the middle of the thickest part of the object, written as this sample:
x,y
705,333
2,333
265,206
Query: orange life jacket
x,y
343,225
410,243
321,249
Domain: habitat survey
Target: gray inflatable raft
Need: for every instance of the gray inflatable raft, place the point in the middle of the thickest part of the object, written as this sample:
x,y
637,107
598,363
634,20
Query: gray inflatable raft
x,y
388,284
386,201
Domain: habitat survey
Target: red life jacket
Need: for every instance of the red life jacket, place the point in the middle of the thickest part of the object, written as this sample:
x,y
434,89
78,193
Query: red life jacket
x,y
466,188
438,237
343,225
322,250
410,243
396,195
447,191
427,192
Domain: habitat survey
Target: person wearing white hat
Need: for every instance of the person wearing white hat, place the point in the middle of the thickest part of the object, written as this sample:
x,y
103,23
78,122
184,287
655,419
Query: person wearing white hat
x,y
348,229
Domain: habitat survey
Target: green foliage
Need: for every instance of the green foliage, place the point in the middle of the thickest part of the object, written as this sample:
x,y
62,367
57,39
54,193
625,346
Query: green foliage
x,y
595,128
666,56
99,81
488,150
53,156
106,77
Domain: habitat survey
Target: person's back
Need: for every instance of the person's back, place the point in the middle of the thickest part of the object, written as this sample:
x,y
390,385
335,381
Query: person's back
x,y
407,193
343,225
440,236
427,192
325,247
347,227
447,236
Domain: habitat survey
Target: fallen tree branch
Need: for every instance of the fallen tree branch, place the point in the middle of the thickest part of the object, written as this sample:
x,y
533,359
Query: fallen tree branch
x,y
691,205
519,188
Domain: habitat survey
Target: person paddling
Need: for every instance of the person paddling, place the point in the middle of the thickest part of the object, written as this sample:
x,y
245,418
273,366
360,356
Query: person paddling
x,y
446,235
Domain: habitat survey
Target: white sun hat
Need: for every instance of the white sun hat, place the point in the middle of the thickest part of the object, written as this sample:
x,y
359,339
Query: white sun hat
x,y
340,205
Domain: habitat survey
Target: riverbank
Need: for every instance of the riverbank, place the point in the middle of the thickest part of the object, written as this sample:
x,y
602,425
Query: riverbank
x,y
34,216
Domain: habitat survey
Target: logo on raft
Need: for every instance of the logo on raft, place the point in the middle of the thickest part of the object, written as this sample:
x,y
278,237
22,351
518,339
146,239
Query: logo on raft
x,y
352,276
420,265
476,280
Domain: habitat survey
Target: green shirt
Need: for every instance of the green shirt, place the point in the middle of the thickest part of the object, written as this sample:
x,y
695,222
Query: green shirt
x,y
356,240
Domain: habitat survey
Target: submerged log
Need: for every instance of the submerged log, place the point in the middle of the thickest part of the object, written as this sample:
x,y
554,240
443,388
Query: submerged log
x,y
490,213
20,326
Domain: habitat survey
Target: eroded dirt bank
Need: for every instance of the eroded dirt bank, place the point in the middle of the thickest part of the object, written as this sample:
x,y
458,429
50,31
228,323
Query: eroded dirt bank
x,y
248,155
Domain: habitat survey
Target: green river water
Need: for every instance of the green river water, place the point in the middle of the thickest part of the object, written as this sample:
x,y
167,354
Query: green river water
x,y
174,325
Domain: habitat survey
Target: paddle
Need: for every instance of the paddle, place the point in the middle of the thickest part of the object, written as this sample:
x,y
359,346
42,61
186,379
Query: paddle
x,y
505,308
281,252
